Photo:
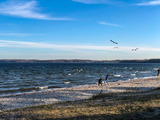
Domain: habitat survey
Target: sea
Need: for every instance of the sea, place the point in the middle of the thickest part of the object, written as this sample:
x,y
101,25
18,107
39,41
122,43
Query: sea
x,y
19,78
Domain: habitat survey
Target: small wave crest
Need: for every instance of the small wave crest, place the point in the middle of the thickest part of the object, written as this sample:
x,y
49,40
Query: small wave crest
x,y
145,72
67,82
23,90
155,68
45,87
132,74
118,76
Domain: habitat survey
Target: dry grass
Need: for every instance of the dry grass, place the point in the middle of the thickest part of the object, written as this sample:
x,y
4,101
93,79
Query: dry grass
x,y
129,105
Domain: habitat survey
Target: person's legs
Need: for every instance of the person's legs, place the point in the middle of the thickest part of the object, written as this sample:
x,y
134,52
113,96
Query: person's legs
x,y
105,82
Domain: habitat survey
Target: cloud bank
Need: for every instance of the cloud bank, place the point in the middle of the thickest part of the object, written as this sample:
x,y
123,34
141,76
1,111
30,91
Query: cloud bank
x,y
22,44
25,9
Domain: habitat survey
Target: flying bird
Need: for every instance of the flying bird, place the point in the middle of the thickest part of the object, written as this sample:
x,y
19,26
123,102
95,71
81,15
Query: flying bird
x,y
135,49
115,48
113,42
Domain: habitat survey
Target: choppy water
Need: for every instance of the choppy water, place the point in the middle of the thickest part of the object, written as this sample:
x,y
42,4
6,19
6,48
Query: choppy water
x,y
25,77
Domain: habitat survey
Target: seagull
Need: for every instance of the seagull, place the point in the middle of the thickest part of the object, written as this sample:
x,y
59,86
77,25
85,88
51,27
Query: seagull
x,y
113,42
115,48
135,49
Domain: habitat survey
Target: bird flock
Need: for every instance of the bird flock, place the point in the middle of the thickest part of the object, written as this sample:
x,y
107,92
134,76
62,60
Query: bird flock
x,y
135,49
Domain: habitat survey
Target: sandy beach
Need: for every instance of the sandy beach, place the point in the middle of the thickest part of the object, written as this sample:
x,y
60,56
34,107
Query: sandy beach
x,y
75,93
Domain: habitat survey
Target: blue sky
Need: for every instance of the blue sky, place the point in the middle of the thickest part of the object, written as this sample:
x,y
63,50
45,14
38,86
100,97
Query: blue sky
x,y
79,29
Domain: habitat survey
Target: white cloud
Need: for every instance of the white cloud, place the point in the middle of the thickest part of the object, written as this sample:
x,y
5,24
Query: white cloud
x,y
19,34
149,3
110,24
22,44
15,34
93,1
25,9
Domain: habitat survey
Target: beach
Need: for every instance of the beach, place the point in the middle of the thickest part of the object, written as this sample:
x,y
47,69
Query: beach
x,y
76,93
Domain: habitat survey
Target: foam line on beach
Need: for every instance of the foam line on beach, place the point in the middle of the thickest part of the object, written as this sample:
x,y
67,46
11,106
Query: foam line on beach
x,y
47,88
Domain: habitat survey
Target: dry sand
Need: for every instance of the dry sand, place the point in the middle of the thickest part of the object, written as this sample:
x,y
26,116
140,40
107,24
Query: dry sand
x,y
75,93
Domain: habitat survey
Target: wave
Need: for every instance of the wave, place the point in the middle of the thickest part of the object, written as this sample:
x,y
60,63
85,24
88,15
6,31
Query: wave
x,y
117,76
91,76
149,77
143,77
27,89
125,67
145,72
45,87
132,74
155,68
67,82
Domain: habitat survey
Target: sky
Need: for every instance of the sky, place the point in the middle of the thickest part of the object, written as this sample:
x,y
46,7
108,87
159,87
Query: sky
x,y
79,29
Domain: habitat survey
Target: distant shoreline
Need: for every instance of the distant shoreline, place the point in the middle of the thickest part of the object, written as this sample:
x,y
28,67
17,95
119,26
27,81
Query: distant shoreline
x,y
77,61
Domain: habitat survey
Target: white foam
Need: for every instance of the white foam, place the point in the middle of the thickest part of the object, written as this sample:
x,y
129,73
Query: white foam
x,y
133,74
80,70
142,78
67,82
149,77
117,75
45,87
155,68
145,72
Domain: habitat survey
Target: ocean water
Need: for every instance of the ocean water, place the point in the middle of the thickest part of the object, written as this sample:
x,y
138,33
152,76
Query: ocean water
x,y
31,77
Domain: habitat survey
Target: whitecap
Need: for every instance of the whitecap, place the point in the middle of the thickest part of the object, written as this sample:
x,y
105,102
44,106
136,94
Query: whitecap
x,y
117,75
145,72
133,74
155,68
80,70
67,82
45,87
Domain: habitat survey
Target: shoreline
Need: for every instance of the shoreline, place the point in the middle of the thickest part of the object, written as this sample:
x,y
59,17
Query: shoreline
x,y
75,93
46,88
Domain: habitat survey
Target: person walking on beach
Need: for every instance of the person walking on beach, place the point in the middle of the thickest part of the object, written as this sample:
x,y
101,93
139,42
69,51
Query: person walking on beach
x,y
100,82
106,79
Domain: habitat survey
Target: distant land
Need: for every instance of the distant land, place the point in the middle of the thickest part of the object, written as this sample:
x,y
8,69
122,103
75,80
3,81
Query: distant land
x,y
77,61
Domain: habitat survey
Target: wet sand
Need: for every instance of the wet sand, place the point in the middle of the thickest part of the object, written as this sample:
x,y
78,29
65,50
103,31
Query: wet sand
x,y
75,93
